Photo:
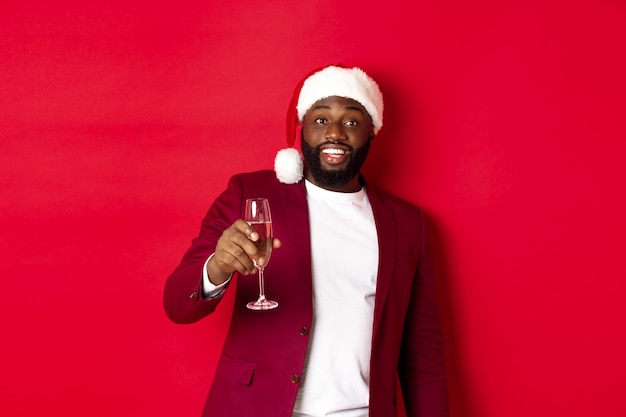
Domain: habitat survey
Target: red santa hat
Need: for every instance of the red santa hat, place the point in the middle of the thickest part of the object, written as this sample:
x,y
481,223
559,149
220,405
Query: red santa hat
x,y
332,80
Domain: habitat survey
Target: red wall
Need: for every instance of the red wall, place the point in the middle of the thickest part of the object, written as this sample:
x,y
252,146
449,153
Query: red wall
x,y
120,123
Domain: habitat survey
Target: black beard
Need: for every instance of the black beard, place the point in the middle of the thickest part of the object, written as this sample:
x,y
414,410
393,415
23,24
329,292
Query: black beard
x,y
335,178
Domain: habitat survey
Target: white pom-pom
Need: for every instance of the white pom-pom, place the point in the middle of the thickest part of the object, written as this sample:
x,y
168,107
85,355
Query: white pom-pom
x,y
288,166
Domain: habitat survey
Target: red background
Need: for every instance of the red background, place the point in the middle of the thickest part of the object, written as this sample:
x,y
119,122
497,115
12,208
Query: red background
x,y
120,123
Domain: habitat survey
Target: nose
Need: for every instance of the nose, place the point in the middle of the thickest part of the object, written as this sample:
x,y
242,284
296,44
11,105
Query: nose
x,y
335,132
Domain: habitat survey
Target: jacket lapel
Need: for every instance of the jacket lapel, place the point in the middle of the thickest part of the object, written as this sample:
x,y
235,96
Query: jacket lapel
x,y
297,216
386,229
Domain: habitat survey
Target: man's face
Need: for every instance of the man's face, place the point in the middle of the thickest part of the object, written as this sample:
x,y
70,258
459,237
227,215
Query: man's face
x,y
336,134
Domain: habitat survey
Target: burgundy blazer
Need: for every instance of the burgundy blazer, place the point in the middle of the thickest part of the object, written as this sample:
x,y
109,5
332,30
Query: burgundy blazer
x,y
262,359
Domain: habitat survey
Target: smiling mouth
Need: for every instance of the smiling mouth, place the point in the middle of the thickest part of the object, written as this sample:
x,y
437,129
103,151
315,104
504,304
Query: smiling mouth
x,y
333,151
334,155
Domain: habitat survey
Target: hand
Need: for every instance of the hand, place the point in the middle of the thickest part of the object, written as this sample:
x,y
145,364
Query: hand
x,y
234,252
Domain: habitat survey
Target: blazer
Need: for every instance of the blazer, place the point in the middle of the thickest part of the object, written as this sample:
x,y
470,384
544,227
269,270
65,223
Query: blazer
x,y
259,370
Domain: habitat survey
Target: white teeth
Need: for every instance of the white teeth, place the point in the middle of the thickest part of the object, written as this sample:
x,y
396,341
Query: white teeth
x,y
334,151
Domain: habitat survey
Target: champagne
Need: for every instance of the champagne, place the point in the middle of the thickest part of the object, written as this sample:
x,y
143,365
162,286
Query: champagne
x,y
264,243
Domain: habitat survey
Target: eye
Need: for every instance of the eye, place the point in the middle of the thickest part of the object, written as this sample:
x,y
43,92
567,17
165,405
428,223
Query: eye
x,y
320,120
351,123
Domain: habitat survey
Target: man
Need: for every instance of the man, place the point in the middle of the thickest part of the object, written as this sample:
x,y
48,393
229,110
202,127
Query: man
x,y
353,276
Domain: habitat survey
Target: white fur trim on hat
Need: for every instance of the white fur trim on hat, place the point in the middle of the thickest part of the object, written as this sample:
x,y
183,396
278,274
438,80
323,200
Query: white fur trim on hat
x,y
289,166
351,83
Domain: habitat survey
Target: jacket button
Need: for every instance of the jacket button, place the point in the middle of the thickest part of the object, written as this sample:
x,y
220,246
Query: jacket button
x,y
295,379
304,331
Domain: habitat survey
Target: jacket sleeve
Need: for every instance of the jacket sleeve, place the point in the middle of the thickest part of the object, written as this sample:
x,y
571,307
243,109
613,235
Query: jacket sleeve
x,y
182,296
421,368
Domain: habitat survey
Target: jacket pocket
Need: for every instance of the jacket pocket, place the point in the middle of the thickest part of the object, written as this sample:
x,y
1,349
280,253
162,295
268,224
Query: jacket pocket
x,y
235,370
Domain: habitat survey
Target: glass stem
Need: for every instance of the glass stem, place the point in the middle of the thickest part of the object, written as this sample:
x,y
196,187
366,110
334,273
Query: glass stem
x,y
261,285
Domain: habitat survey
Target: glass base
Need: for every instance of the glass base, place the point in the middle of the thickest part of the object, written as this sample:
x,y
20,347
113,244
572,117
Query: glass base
x,y
262,304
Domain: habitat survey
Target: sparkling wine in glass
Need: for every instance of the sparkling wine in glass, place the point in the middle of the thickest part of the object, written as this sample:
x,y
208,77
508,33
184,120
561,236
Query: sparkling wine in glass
x,y
259,218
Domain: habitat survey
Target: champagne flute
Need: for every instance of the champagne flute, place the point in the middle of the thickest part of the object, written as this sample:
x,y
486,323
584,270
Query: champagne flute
x,y
259,218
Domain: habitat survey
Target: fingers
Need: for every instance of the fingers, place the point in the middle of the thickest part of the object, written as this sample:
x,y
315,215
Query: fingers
x,y
236,249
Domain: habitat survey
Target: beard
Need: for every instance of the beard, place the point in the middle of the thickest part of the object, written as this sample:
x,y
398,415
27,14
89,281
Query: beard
x,y
335,178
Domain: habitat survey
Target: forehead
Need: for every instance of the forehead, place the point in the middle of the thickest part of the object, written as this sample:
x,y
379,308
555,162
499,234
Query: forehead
x,y
339,103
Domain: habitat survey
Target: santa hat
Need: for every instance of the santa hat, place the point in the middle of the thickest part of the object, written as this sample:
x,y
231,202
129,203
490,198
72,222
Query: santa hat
x,y
333,80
